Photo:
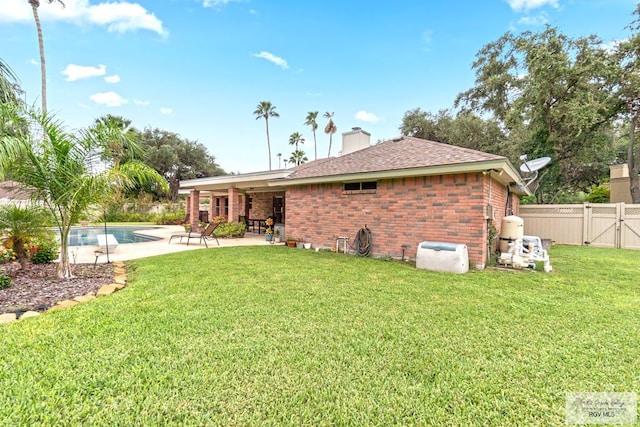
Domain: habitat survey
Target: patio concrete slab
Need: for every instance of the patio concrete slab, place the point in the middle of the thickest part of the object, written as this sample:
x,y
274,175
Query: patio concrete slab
x,y
125,252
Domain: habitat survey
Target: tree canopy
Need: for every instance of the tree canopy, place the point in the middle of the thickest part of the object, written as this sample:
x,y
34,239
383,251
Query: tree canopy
x,y
540,94
176,158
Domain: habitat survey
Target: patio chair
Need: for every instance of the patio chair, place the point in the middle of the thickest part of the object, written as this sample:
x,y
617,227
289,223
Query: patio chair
x,y
207,233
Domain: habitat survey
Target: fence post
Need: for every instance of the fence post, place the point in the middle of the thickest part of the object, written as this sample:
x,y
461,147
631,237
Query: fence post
x,y
586,224
620,214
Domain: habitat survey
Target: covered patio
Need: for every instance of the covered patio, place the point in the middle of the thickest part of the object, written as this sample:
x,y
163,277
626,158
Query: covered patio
x,y
249,198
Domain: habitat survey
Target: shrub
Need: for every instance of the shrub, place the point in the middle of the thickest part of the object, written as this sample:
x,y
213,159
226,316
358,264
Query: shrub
x,y
222,219
6,255
230,229
5,282
170,218
43,250
599,194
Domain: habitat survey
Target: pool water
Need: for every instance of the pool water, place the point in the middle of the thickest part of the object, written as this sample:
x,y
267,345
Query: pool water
x,y
88,236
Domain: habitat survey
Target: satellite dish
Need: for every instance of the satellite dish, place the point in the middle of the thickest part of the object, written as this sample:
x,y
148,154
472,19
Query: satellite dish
x,y
534,165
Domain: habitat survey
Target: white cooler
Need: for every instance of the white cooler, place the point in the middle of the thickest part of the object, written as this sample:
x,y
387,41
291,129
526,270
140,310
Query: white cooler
x,y
442,256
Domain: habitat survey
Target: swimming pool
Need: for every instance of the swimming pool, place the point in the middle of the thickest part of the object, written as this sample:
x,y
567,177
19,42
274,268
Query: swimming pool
x,y
88,236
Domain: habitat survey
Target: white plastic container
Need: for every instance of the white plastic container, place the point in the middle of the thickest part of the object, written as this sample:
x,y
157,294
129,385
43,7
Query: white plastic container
x,y
443,256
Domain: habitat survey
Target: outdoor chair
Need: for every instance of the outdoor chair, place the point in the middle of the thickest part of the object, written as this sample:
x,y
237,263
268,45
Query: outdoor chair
x,y
242,219
207,233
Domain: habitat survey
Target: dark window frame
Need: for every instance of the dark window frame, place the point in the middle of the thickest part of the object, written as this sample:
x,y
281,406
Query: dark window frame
x,y
360,187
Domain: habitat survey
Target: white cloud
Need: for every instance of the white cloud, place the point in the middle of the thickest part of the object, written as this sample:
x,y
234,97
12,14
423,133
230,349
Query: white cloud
x,y
112,79
611,46
123,17
165,111
34,62
141,103
78,72
216,3
534,21
524,5
272,58
110,99
366,116
116,16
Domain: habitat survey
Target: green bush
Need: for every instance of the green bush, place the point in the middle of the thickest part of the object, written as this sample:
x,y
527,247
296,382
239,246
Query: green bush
x,y
599,194
5,282
230,229
170,218
6,255
44,250
129,217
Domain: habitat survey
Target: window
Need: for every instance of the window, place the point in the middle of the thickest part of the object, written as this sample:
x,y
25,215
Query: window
x,y
366,187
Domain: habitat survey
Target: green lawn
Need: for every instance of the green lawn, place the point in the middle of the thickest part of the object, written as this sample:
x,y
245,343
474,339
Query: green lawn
x,y
278,336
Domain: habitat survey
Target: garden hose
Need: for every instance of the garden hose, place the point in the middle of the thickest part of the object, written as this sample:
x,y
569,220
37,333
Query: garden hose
x,y
363,241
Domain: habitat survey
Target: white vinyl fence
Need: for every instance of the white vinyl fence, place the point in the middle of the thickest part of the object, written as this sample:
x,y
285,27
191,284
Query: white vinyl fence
x,y
607,225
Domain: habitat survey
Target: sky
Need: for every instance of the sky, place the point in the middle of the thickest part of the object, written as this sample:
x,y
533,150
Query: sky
x,y
199,68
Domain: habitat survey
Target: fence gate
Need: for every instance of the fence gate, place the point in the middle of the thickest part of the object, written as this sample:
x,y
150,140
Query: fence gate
x,y
630,227
601,225
607,225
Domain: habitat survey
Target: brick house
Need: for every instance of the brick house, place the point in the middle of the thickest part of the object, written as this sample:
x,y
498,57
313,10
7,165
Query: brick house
x,y
406,190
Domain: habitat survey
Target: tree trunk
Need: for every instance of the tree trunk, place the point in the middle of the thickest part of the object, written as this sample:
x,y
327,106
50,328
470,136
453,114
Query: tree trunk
x,y
315,147
330,141
64,267
633,163
43,68
21,255
266,120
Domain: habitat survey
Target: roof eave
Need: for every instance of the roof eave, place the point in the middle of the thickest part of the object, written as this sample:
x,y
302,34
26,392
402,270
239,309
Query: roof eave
x,y
237,181
501,169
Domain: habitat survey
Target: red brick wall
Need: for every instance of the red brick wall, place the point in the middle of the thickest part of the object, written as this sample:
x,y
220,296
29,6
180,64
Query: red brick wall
x,y
449,208
262,204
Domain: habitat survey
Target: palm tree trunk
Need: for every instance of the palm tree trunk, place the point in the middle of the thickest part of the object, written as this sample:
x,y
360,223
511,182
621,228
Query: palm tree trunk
x,y
266,120
43,68
633,163
64,268
330,141
315,147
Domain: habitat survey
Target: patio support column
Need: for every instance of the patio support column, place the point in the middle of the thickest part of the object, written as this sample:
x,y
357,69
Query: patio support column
x,y
212,207
194,210
234,206
187,208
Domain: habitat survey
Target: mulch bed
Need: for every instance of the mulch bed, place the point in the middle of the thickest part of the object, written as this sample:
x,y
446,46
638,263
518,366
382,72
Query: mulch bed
x,y
37,287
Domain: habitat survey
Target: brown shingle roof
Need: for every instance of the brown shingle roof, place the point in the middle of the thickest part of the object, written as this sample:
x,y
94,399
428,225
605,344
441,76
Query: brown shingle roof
x,y
13,191
397,154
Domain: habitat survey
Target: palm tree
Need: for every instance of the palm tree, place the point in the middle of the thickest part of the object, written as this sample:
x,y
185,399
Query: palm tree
x,y
279,155
295,139
298,157
311,121
9,88
117,133
43,69
330,128
20,225
264,110
57,171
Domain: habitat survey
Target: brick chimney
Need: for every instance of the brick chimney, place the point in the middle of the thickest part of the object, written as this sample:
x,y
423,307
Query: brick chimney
x,y
354,140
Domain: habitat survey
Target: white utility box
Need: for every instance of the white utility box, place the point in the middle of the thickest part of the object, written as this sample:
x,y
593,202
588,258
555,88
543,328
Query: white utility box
x,y
442,256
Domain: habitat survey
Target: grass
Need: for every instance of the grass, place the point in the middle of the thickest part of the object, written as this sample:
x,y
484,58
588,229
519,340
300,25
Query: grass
x,y
276,336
